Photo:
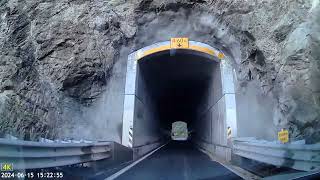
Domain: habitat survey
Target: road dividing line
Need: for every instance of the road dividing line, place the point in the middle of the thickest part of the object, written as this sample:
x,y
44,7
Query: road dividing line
x,y
117,174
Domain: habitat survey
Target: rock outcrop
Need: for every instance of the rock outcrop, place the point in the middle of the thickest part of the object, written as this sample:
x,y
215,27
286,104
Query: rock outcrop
x,y
51,51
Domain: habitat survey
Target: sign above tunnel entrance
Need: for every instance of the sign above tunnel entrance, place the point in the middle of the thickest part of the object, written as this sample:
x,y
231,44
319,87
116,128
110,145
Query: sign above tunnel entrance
x,y
179,43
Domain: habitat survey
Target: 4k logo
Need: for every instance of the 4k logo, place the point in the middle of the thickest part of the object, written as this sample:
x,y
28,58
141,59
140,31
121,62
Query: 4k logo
x,y
6,167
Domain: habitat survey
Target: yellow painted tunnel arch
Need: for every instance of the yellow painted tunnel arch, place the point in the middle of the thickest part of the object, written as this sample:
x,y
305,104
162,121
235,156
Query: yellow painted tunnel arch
x,y
179,43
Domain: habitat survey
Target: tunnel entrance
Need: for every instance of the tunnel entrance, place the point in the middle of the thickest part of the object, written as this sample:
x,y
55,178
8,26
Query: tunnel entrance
x,y
177,84
164,85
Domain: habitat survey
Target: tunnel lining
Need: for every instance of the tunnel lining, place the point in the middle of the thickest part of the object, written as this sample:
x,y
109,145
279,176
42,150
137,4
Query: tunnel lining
x,y
177,83
223,102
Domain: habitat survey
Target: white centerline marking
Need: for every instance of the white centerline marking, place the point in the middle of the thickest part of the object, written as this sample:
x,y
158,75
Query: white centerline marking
x,y
117,174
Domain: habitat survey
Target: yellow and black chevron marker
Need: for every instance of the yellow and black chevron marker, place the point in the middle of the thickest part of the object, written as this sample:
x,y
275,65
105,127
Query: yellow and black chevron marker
x,y
228,132
130,136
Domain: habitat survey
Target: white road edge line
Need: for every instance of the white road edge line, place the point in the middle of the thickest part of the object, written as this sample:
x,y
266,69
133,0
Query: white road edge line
x,y
117,174
306,175
237,170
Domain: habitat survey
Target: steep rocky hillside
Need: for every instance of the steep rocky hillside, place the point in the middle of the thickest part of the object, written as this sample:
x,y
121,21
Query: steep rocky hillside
x,y
60,60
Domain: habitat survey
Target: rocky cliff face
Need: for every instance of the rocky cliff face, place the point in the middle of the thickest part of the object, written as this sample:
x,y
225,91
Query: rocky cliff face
x,y
57,58
53,53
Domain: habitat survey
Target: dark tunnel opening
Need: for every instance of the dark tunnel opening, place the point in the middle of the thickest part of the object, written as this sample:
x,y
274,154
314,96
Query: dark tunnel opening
x,y
174,86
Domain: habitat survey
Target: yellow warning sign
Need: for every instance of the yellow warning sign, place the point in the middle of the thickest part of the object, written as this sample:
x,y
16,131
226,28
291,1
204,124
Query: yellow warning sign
x,y
179,43
283,136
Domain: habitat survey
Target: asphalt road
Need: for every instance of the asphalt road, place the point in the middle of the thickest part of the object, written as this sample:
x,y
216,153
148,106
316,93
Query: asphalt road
x,y
178,161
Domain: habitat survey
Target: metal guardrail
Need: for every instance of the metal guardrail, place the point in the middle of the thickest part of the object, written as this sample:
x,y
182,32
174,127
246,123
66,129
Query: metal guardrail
x,y
33,155
303,157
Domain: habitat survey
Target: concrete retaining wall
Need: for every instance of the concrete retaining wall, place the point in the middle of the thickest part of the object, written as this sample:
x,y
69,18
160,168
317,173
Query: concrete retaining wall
x,y
220,114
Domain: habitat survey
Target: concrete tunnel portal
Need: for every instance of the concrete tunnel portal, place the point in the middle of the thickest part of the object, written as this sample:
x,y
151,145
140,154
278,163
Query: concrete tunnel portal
x,y
193,84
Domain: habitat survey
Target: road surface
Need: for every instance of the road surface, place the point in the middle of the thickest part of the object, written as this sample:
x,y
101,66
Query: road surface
x,y
176,161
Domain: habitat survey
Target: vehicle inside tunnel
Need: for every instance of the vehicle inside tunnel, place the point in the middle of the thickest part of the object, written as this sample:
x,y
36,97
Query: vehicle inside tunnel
x,y
178,84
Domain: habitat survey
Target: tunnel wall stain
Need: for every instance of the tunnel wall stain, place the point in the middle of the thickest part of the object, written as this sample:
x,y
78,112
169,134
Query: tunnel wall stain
x,y
145,121
219,114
